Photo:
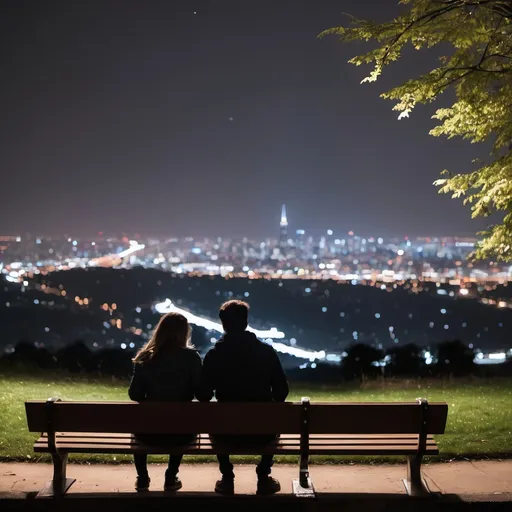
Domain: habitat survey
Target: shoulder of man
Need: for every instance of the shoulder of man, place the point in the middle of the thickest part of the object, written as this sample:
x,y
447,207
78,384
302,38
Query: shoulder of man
x,y
214,349
191,353
265,348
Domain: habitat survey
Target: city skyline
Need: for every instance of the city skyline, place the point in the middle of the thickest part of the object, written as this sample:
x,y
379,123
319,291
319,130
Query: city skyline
x,y
430,279
197,119
282,232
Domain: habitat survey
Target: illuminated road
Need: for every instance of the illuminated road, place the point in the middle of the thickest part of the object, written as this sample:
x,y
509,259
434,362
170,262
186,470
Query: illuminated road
x,y
268,335
111,259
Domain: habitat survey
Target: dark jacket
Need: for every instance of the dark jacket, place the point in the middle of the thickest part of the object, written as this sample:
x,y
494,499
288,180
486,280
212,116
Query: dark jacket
x,y
168,377
241,368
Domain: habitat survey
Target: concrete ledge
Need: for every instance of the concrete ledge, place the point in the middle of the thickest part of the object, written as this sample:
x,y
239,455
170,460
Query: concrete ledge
x,y
374,487
113,502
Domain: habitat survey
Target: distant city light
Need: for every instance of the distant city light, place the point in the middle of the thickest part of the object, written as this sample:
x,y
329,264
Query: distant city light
x,y
279,258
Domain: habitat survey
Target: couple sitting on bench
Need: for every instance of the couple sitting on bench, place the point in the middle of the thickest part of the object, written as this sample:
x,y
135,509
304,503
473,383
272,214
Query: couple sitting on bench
x,y
239,368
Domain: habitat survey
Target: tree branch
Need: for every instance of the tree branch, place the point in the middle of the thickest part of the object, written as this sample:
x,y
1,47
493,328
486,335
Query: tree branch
x,y
431,15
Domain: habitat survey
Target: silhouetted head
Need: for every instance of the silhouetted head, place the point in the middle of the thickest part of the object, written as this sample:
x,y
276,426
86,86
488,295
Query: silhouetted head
x,y
172,333
233,315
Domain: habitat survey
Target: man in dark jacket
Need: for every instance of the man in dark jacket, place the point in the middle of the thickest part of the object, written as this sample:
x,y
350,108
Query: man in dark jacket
x,y
241,368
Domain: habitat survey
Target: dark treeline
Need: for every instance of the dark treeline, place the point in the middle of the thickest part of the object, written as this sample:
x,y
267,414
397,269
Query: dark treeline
x,y
362,362
73,358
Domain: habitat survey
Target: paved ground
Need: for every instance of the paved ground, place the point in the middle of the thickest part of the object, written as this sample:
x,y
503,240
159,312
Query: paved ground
x,y
472,481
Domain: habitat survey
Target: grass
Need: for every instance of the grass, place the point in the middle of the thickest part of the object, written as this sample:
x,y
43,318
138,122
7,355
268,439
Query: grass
x,y
479,414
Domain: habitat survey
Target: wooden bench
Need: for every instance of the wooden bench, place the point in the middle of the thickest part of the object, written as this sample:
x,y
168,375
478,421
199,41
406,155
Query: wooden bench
x,y
328,428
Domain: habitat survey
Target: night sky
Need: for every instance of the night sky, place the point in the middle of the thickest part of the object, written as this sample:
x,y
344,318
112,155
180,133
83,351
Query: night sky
x,y
197,118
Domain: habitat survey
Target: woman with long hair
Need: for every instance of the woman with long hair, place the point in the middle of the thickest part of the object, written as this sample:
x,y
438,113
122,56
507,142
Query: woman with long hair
x,y
166,369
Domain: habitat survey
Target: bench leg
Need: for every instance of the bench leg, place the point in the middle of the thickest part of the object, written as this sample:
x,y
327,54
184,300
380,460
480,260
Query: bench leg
x,y
415,485
303,486
60,484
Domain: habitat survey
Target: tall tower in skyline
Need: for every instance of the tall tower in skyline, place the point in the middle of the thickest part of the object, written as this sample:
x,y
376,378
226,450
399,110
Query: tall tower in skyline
x,y
283,229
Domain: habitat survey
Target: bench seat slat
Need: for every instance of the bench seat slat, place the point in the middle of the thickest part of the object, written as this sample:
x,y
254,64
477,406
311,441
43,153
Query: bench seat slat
x,y
288,444
191,450
204,439
68,445
103,435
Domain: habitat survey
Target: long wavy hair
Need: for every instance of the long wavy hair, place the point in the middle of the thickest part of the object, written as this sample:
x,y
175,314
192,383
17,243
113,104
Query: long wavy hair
x,y
172,333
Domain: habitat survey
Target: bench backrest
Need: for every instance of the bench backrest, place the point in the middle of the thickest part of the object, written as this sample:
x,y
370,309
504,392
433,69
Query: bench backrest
x,y
237,418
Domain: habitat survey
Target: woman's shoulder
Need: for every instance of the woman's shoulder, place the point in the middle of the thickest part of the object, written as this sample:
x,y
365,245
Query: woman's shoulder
x,y
185,355
139,366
